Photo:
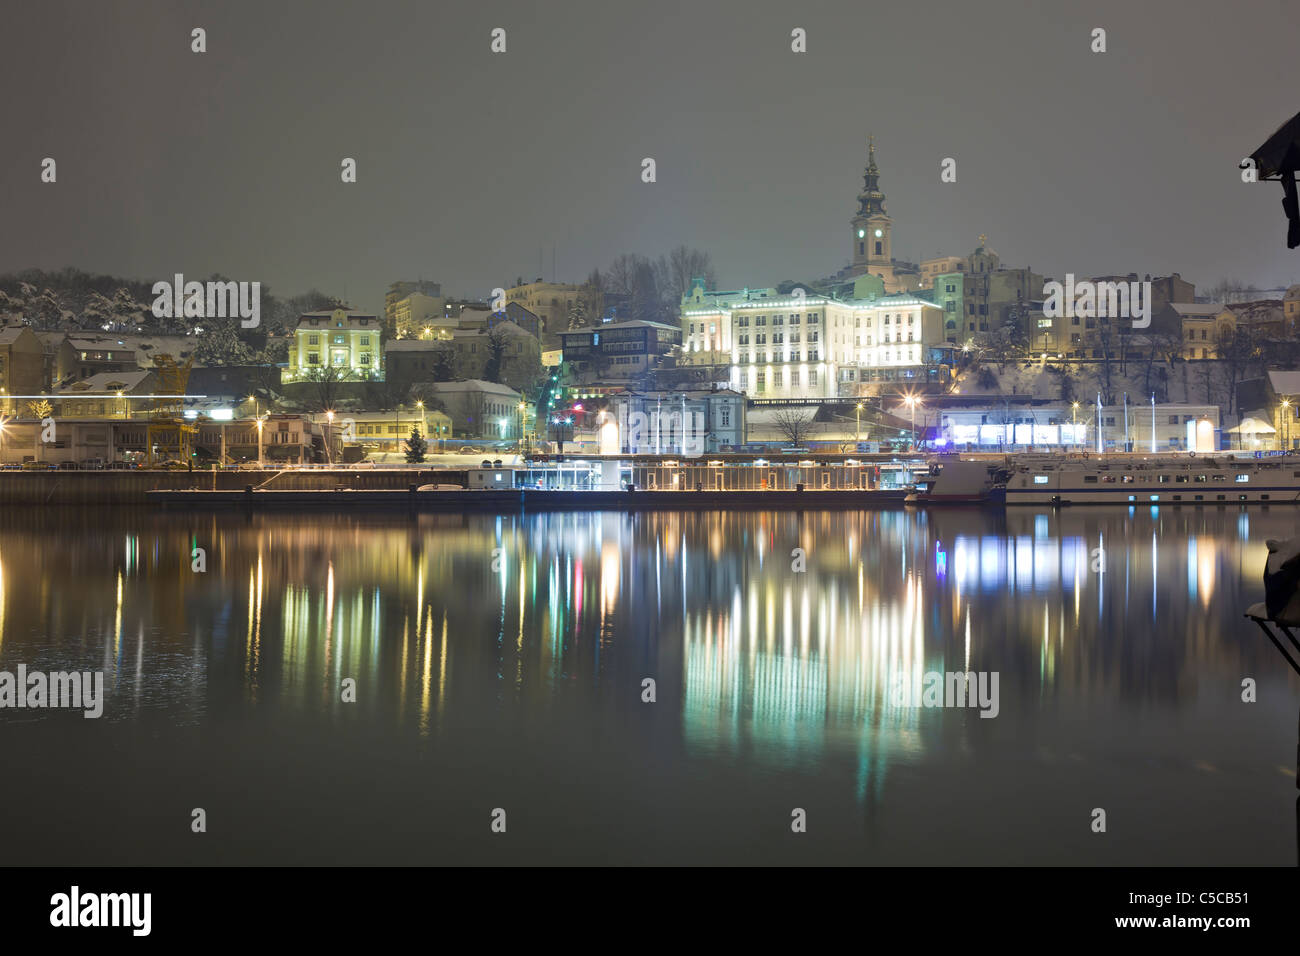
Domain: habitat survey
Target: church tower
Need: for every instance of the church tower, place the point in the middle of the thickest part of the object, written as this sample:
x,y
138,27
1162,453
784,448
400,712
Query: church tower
x,y
871,225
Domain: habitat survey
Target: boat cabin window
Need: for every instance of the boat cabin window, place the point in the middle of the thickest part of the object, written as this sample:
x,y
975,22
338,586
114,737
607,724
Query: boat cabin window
x,y
1040,479
1163,479
1108,479
1220,477
1090,478
1180,478
1128,479
1242,478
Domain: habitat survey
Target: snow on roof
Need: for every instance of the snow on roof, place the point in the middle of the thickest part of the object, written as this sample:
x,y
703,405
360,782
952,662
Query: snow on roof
x,y
1285,381
105,383
1196,308
476,384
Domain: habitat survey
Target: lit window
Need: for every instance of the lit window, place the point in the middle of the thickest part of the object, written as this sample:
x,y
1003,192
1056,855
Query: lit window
x,y
1040,479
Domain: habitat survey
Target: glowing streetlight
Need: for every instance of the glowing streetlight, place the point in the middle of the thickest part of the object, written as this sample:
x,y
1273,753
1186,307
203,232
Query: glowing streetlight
x,y
259,442
329,424
1286,418
857,428
911,401
1074,422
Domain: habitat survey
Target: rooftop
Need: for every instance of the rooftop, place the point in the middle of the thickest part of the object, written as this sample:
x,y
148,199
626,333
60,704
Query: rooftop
x,y
106,383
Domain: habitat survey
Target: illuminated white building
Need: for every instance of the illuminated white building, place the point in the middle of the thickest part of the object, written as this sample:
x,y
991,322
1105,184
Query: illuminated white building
x,y
995,427
814,346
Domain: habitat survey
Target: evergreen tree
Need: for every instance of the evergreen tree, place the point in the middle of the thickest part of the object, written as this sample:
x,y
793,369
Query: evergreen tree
x,y
416,446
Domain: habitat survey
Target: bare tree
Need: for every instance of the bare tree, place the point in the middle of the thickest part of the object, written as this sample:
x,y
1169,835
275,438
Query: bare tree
x,y
1106,371
497,340
796,424
325,380
1232,290
681,267
1237,348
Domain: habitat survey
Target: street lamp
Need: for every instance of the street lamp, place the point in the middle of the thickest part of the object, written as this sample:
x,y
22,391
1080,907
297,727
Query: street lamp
x,y
259,442
1153,423
857,428
522,408
1074,423
912,401
329,424
1286,419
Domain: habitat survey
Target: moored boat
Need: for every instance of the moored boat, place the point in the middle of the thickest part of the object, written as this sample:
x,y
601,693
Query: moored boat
x,y
958,482
1157,479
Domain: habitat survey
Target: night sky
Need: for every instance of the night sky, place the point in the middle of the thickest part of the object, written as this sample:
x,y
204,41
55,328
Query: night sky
x,y
469,163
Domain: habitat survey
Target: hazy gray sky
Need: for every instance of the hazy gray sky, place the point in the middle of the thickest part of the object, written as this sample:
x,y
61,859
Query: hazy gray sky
x,y
469,162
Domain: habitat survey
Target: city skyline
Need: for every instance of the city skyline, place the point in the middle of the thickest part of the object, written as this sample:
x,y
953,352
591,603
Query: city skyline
x,y
758,164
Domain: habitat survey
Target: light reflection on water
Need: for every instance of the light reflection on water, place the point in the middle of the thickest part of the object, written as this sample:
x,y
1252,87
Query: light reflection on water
x,y
462,628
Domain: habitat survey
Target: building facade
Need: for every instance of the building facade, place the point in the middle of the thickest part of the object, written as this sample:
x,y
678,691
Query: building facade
x,y
397,292
819,347
346,344
414,312
688,423
1047,426
549,301
22,365
617,351
479,409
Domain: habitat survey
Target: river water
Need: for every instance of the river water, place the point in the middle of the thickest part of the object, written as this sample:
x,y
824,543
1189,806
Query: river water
x,y
372,688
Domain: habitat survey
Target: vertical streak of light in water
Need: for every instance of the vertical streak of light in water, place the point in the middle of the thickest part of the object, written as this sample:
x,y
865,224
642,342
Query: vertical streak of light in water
x,y
426,671
139,666
252,614
401,683
519,638
329,620
257,627
117,632
1153,575
1101,577
659,590
967,639
442,669
681,546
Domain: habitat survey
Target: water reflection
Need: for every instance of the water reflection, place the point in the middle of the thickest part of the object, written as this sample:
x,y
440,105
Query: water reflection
x,y
440,620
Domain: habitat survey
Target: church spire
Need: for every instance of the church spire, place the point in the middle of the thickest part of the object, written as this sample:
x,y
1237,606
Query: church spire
x,y
871,201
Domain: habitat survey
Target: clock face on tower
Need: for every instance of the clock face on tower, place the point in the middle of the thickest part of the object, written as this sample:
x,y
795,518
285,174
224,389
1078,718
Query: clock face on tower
x,y
879,233
861,233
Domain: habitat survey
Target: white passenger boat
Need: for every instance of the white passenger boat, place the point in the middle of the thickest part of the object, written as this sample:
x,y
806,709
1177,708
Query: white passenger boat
x,y
1157,479
954,481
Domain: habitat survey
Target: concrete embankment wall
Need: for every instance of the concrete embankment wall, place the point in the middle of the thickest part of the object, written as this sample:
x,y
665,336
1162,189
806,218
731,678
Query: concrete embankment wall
x,y
133,487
